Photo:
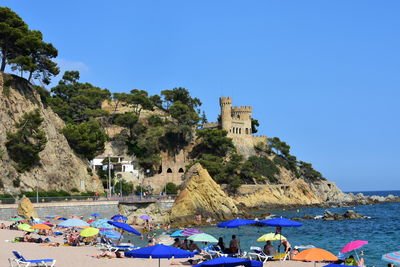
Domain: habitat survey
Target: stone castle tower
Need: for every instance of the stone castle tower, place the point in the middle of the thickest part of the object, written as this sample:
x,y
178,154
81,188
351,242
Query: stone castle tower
x,y
235,120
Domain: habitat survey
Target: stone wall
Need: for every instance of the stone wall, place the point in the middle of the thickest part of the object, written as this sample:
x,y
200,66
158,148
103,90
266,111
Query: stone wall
x,y
66,209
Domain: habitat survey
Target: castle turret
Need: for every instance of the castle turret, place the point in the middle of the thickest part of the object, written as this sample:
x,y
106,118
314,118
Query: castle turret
x,y
226,113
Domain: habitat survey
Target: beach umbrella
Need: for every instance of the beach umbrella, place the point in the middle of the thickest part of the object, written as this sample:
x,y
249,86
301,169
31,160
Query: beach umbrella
x,y
102,224
271,237
119,217
40,226
315,254
145,217
25,227
190,231
236,223
16,218
230,261
159,252
280,222
51,216
60,218
177,233
90,221
74,223
95,215
48,223
393,257
124,227
203,238
111,234
353,245
90,231
164,240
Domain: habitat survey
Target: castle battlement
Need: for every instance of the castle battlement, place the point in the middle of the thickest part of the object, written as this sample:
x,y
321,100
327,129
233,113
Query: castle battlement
x,y
242,109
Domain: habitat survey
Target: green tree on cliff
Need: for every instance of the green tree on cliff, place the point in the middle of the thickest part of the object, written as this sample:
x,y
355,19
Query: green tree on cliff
x,y
86,139
27,142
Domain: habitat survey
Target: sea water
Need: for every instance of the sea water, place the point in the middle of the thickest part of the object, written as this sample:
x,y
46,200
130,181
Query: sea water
x,y
382,230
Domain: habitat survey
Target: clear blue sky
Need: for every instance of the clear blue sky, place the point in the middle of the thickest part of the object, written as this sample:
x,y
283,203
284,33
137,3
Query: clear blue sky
x,y
324,76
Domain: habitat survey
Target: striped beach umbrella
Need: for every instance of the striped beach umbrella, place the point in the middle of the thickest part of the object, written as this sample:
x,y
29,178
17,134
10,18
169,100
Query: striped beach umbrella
x,y
74,223
393,257
190,231
102,224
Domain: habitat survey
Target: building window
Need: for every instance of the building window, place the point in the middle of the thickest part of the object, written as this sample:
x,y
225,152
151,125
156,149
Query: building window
x,y
181,170
247,131
240,130
169,170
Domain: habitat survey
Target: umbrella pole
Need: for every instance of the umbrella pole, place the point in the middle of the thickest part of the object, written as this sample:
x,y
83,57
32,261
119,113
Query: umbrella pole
x,y
119,239
159,262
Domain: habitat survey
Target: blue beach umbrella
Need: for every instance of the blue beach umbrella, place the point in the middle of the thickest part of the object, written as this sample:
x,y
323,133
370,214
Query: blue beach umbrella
x,y
73,223
111,234
102,224
125,227
159,252
95,215
230,262
119,217
177,233
236,223
280,222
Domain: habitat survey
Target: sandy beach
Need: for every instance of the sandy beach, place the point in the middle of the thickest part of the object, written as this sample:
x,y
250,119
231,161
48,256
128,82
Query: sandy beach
x,y
81,256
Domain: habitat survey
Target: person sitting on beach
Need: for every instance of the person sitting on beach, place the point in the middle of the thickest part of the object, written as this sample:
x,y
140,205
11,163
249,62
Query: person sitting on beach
x,y
193,246
188,262
28,238
2,226
351,261
269,249
185,245
234,245
177,243
221,244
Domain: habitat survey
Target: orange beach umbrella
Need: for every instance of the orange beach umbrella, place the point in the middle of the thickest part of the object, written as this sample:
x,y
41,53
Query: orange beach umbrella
x,y
40,226
315,254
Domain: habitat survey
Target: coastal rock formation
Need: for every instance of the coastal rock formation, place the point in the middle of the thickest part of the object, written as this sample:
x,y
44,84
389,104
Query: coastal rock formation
x,y
26,209
201,195
348,215
156,213
60,168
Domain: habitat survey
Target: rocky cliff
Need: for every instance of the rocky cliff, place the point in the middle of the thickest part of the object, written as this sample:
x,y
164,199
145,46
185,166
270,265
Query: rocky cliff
x,y
60,168
201,195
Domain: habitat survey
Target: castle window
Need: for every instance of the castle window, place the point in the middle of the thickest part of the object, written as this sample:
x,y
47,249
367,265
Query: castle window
x,y
180,170
169,170
240,130
247,131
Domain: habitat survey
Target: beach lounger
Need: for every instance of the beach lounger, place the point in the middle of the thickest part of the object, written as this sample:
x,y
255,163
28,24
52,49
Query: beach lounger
x,y
213,251
258,254
20,260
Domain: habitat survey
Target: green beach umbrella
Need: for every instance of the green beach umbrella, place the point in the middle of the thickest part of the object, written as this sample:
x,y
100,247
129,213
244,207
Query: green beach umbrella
x,y
91,231
203,238
16,219
271,237
25,227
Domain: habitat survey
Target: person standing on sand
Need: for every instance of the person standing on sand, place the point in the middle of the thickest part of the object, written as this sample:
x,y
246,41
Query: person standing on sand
x,y
234,245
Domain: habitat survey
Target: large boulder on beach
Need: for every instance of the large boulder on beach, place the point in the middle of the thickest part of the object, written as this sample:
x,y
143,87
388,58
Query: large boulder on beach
x,y
348,215
26,208
201,195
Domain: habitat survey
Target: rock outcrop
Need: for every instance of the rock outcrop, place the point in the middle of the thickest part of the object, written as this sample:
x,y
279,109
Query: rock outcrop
x,y
26,209
59,167
201,195
348,215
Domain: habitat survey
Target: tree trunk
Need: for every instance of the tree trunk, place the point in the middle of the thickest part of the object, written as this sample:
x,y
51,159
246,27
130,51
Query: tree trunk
x,y
3,61
30,76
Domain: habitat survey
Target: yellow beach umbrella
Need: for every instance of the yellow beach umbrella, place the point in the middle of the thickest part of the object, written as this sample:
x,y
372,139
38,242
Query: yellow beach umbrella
x,y
90,231
25,227
271,237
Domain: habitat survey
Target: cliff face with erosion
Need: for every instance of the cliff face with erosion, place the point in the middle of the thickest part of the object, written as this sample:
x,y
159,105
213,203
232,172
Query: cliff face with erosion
x,y
201,195
59,168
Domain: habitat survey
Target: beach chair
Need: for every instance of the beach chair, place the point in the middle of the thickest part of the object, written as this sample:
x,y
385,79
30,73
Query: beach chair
x,y
213,251
20,260
259,254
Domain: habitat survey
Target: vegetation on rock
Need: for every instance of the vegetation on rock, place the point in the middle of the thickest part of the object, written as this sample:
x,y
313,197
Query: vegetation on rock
x,y
25,144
